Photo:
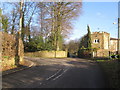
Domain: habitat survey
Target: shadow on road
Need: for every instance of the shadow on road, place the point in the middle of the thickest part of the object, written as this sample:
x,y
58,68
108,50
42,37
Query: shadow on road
x,y
80,74
29,76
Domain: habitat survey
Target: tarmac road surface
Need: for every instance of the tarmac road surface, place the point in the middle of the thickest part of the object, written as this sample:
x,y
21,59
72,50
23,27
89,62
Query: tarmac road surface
x,y
57,73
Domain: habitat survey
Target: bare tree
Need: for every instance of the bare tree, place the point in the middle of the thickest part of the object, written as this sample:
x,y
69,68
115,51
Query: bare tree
x,y
63,13
53,19
14,18
29,15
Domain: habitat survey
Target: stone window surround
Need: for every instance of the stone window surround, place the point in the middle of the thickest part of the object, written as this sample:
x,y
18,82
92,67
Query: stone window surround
x,y
96,41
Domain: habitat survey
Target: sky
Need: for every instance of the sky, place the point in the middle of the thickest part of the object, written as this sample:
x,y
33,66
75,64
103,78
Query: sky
x,y
100,16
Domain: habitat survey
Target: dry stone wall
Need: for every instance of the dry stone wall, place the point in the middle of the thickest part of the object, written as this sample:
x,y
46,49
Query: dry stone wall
x,y
48,54
0,51
8,43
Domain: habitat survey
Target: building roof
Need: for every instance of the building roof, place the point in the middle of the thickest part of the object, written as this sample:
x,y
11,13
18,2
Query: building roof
x,y
113,39
99,32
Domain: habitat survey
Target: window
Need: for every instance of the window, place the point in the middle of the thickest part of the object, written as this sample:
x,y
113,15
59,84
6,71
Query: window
x,y
96,41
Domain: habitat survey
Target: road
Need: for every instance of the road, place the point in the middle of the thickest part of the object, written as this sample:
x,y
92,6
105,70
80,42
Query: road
x,y
57,73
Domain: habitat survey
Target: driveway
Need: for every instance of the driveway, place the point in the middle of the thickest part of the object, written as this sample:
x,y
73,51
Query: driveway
x,y
57,73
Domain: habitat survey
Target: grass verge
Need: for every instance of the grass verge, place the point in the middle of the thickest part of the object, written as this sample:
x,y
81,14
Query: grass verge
x,y
111,68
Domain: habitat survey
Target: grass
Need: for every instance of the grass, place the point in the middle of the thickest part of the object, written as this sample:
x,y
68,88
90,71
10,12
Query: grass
x,y
102,60
6,57
111,68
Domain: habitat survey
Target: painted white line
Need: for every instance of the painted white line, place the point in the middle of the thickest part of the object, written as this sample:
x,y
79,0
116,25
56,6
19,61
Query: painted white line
x,y
60,74
65,70
57,76
53,74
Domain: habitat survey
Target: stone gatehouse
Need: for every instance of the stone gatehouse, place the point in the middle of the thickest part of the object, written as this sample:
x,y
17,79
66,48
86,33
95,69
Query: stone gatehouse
x,y
104,44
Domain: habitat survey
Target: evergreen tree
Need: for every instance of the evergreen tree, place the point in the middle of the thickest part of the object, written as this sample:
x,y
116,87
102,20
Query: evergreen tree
x,y
85,45
5,23
88,37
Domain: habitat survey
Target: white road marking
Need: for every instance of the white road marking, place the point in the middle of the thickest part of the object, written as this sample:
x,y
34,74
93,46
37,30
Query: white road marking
x,y
65,70
60,74
53,75
57,76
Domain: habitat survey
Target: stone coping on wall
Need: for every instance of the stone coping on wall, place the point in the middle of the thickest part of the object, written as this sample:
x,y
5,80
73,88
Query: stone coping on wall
x,y
24,66
48,54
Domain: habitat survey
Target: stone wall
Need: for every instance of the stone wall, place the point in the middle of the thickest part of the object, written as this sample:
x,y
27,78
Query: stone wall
x,y
8,43
103,45
0,51
113,45
48,54
94,36
103,38
102,53
106,40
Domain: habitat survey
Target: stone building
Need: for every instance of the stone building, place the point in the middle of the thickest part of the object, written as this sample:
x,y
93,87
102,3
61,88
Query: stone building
x,y
113,46
103,43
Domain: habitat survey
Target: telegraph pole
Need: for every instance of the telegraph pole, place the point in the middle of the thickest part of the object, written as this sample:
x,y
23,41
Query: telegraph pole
x,y
118,36
118,47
